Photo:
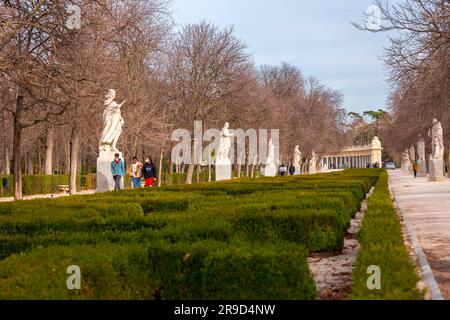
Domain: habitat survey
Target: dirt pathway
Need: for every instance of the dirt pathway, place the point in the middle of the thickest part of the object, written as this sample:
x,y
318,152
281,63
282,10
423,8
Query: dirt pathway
x,y
333,272
46,196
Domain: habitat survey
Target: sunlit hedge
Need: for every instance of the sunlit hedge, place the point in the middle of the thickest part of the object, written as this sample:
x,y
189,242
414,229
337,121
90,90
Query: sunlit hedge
x,y
382,245
239,239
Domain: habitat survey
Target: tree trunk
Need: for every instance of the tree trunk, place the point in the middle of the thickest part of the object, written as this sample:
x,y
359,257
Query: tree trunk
x,y
199,170
209,169
448,162
170,166
6,165
48,169
88,164
160,171
6,161
238,170
190,173
17,150
74,155
67,156
58,164
40,169
30,164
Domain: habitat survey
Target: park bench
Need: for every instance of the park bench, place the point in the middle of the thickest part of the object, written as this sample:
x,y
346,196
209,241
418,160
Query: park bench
x,y
64,188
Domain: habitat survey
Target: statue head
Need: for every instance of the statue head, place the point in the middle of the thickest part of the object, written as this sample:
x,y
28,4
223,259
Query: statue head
x,y
227,125
435,122
111,94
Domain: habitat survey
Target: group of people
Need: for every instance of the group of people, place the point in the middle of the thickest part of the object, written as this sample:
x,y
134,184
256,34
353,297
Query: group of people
x,y
283,170
137,172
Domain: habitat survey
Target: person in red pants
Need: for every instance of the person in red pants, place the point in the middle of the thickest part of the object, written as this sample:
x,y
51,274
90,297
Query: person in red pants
x,y
149,172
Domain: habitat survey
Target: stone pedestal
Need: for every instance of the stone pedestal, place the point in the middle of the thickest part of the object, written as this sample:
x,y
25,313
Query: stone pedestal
x,y
406,168
223,170
298,170
269,171
436,170
422,172
105,180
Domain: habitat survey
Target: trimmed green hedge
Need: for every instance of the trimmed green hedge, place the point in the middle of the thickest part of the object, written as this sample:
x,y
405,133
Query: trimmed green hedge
x,y
203,270
46,184
185,237
382,245
316,230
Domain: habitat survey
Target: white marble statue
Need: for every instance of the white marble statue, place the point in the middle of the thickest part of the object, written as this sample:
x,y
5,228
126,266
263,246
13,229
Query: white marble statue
x,y
112,123
405,158
437,141
412,154
271,154
376,143
313,162
297,157
224,144
421,149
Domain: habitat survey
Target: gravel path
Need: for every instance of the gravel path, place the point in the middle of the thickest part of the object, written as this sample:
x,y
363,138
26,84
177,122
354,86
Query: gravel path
x,y
46,196
333,272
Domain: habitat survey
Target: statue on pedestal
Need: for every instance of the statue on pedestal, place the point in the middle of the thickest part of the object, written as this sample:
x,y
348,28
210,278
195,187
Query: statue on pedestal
x,y
297,157
224,145
437,141
271,154
436,163
421,149
112,123
313,163
405,158
421,156
412,154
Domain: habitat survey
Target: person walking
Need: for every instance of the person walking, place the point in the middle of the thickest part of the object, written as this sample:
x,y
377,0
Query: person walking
x,y
282,170
291,170
118,171
149,172
136,173
415,168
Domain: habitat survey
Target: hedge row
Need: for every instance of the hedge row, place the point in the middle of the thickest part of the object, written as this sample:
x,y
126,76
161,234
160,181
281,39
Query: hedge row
x,y
316,230
160,270
248,238
45,184
382,245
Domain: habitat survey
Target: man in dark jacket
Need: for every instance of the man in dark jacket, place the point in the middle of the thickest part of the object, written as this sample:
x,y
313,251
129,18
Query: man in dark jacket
x,y
291,170
149,172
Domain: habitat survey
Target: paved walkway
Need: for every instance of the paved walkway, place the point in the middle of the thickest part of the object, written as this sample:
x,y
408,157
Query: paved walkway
x,y
45,196
427,207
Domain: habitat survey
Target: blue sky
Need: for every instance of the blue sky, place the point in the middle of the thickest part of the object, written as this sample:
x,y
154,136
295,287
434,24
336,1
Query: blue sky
x,y
316,36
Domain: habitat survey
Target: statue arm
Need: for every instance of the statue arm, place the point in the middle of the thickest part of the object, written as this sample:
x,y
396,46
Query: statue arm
x,y
229,133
